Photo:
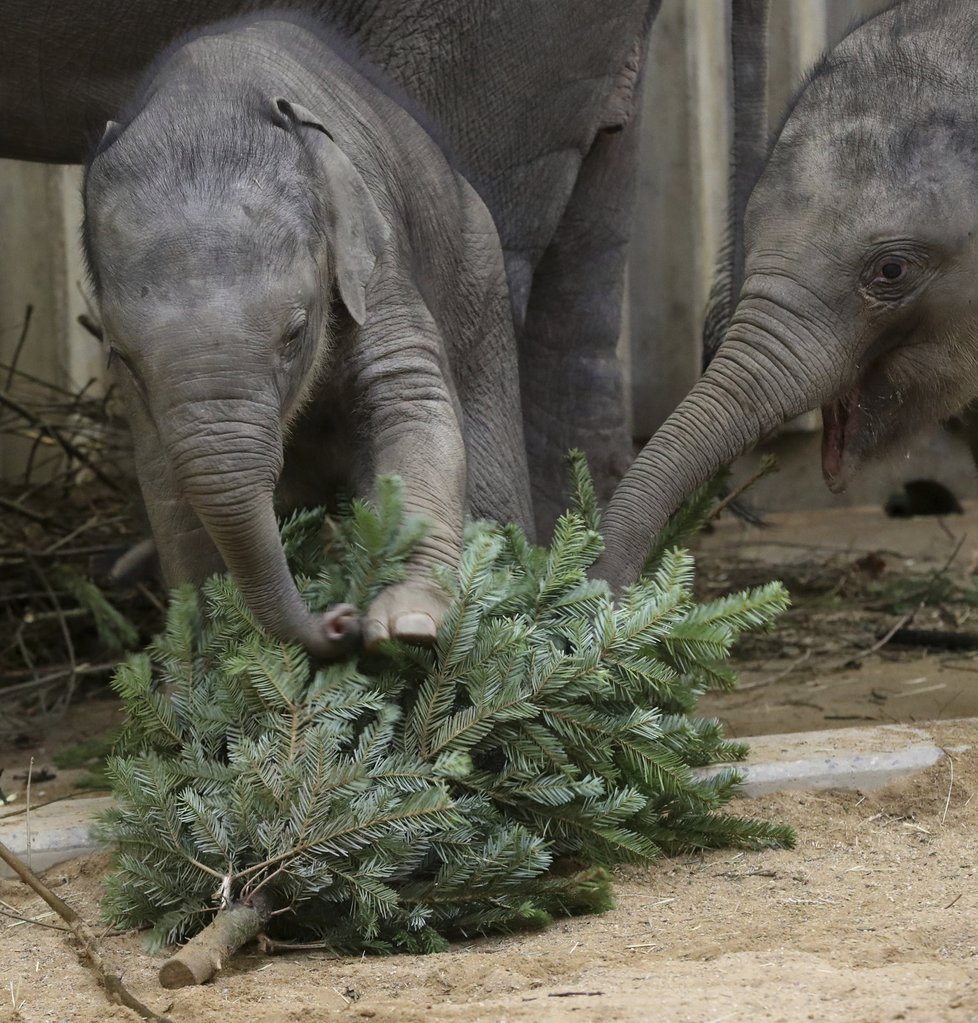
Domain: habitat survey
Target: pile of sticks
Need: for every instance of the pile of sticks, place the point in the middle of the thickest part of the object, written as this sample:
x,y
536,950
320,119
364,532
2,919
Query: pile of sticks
x,y
69,501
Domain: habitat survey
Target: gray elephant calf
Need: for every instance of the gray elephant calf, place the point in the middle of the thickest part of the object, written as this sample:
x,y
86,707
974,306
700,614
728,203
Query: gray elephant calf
x,y
861,262
279,250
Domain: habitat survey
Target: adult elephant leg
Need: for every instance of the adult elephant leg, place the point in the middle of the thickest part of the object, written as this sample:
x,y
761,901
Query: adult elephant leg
x,y
748,149
572,382
487,381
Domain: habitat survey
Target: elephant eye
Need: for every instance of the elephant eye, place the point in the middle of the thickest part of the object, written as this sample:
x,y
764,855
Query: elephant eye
x,y
888,274
293,335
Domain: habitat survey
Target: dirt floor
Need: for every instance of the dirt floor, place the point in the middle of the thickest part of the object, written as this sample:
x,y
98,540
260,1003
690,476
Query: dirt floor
x,y
871,918
854,576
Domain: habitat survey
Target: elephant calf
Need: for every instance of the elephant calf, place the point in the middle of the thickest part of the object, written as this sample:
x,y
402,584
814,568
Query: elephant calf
x,y
861,257
289,270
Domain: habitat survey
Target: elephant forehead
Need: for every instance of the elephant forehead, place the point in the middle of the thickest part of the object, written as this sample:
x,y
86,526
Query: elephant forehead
x,y
854,180
200,242
209,303
829,229
886,120
174,309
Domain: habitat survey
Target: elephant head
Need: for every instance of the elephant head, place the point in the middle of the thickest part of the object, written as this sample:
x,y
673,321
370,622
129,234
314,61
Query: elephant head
x,y
218,231
861,252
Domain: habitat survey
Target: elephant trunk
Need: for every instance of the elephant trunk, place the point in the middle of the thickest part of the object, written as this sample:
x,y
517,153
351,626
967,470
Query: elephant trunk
x,y
227,469
764,374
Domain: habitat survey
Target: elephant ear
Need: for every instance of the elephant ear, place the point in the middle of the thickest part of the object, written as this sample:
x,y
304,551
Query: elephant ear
x,y
357,230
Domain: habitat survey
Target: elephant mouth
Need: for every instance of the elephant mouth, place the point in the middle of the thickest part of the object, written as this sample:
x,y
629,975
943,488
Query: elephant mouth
x,y
842,419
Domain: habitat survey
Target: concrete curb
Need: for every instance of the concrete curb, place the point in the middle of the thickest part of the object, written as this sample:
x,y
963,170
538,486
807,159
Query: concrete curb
x,y
859,759
54,833
852,759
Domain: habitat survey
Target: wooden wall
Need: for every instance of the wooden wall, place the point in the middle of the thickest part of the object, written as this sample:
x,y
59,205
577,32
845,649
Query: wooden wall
x,y
41,267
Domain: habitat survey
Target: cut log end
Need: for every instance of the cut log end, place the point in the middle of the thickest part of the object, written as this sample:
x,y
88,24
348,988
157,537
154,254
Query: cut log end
x,y
204,955
187,970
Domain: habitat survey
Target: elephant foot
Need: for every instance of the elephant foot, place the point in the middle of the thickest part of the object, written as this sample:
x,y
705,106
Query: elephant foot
x,y
411,612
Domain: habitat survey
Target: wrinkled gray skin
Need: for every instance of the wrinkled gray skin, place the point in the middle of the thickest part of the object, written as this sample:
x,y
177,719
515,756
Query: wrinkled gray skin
x,y
860,267
276,243
538,100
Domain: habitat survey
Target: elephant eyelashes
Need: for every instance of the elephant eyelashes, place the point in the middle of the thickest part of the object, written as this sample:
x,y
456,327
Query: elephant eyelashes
x,y
293,336
114,356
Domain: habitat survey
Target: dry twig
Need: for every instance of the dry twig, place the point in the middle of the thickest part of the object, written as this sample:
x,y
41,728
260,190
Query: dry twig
x,y
950,787
65,632
12,368
768,465
30,920
19,509
70,449
59,516
90,949
878,645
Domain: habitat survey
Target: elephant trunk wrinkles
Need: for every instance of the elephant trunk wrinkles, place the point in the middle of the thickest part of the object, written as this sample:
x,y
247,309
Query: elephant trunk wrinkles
x,y
756,382
228,473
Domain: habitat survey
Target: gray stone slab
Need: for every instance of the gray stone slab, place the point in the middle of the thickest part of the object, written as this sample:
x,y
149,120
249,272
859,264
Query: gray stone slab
x,y
854,772
844,758
855,759
51,834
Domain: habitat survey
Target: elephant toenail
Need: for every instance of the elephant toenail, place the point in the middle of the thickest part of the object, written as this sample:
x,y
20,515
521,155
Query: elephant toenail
x,y
415,626
374,632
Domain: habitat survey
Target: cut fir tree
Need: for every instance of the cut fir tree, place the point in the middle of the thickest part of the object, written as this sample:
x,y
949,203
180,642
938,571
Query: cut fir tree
x,y
397,801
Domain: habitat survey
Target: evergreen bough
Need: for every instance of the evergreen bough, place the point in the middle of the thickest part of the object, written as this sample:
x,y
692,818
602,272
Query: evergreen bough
x,y
398,800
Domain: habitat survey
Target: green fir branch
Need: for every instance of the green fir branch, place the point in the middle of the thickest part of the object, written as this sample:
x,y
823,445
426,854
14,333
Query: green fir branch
x,y
397,800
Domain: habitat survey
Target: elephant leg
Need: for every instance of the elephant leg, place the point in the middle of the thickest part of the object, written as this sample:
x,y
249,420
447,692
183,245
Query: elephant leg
x,y
572,382
413,430
487,379
497,478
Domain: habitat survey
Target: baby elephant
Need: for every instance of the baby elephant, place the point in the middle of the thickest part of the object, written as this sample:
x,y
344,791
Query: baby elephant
x,y
860,263
292,276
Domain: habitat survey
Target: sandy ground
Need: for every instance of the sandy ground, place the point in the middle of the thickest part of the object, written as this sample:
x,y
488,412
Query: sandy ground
x,y
872,917
854,575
